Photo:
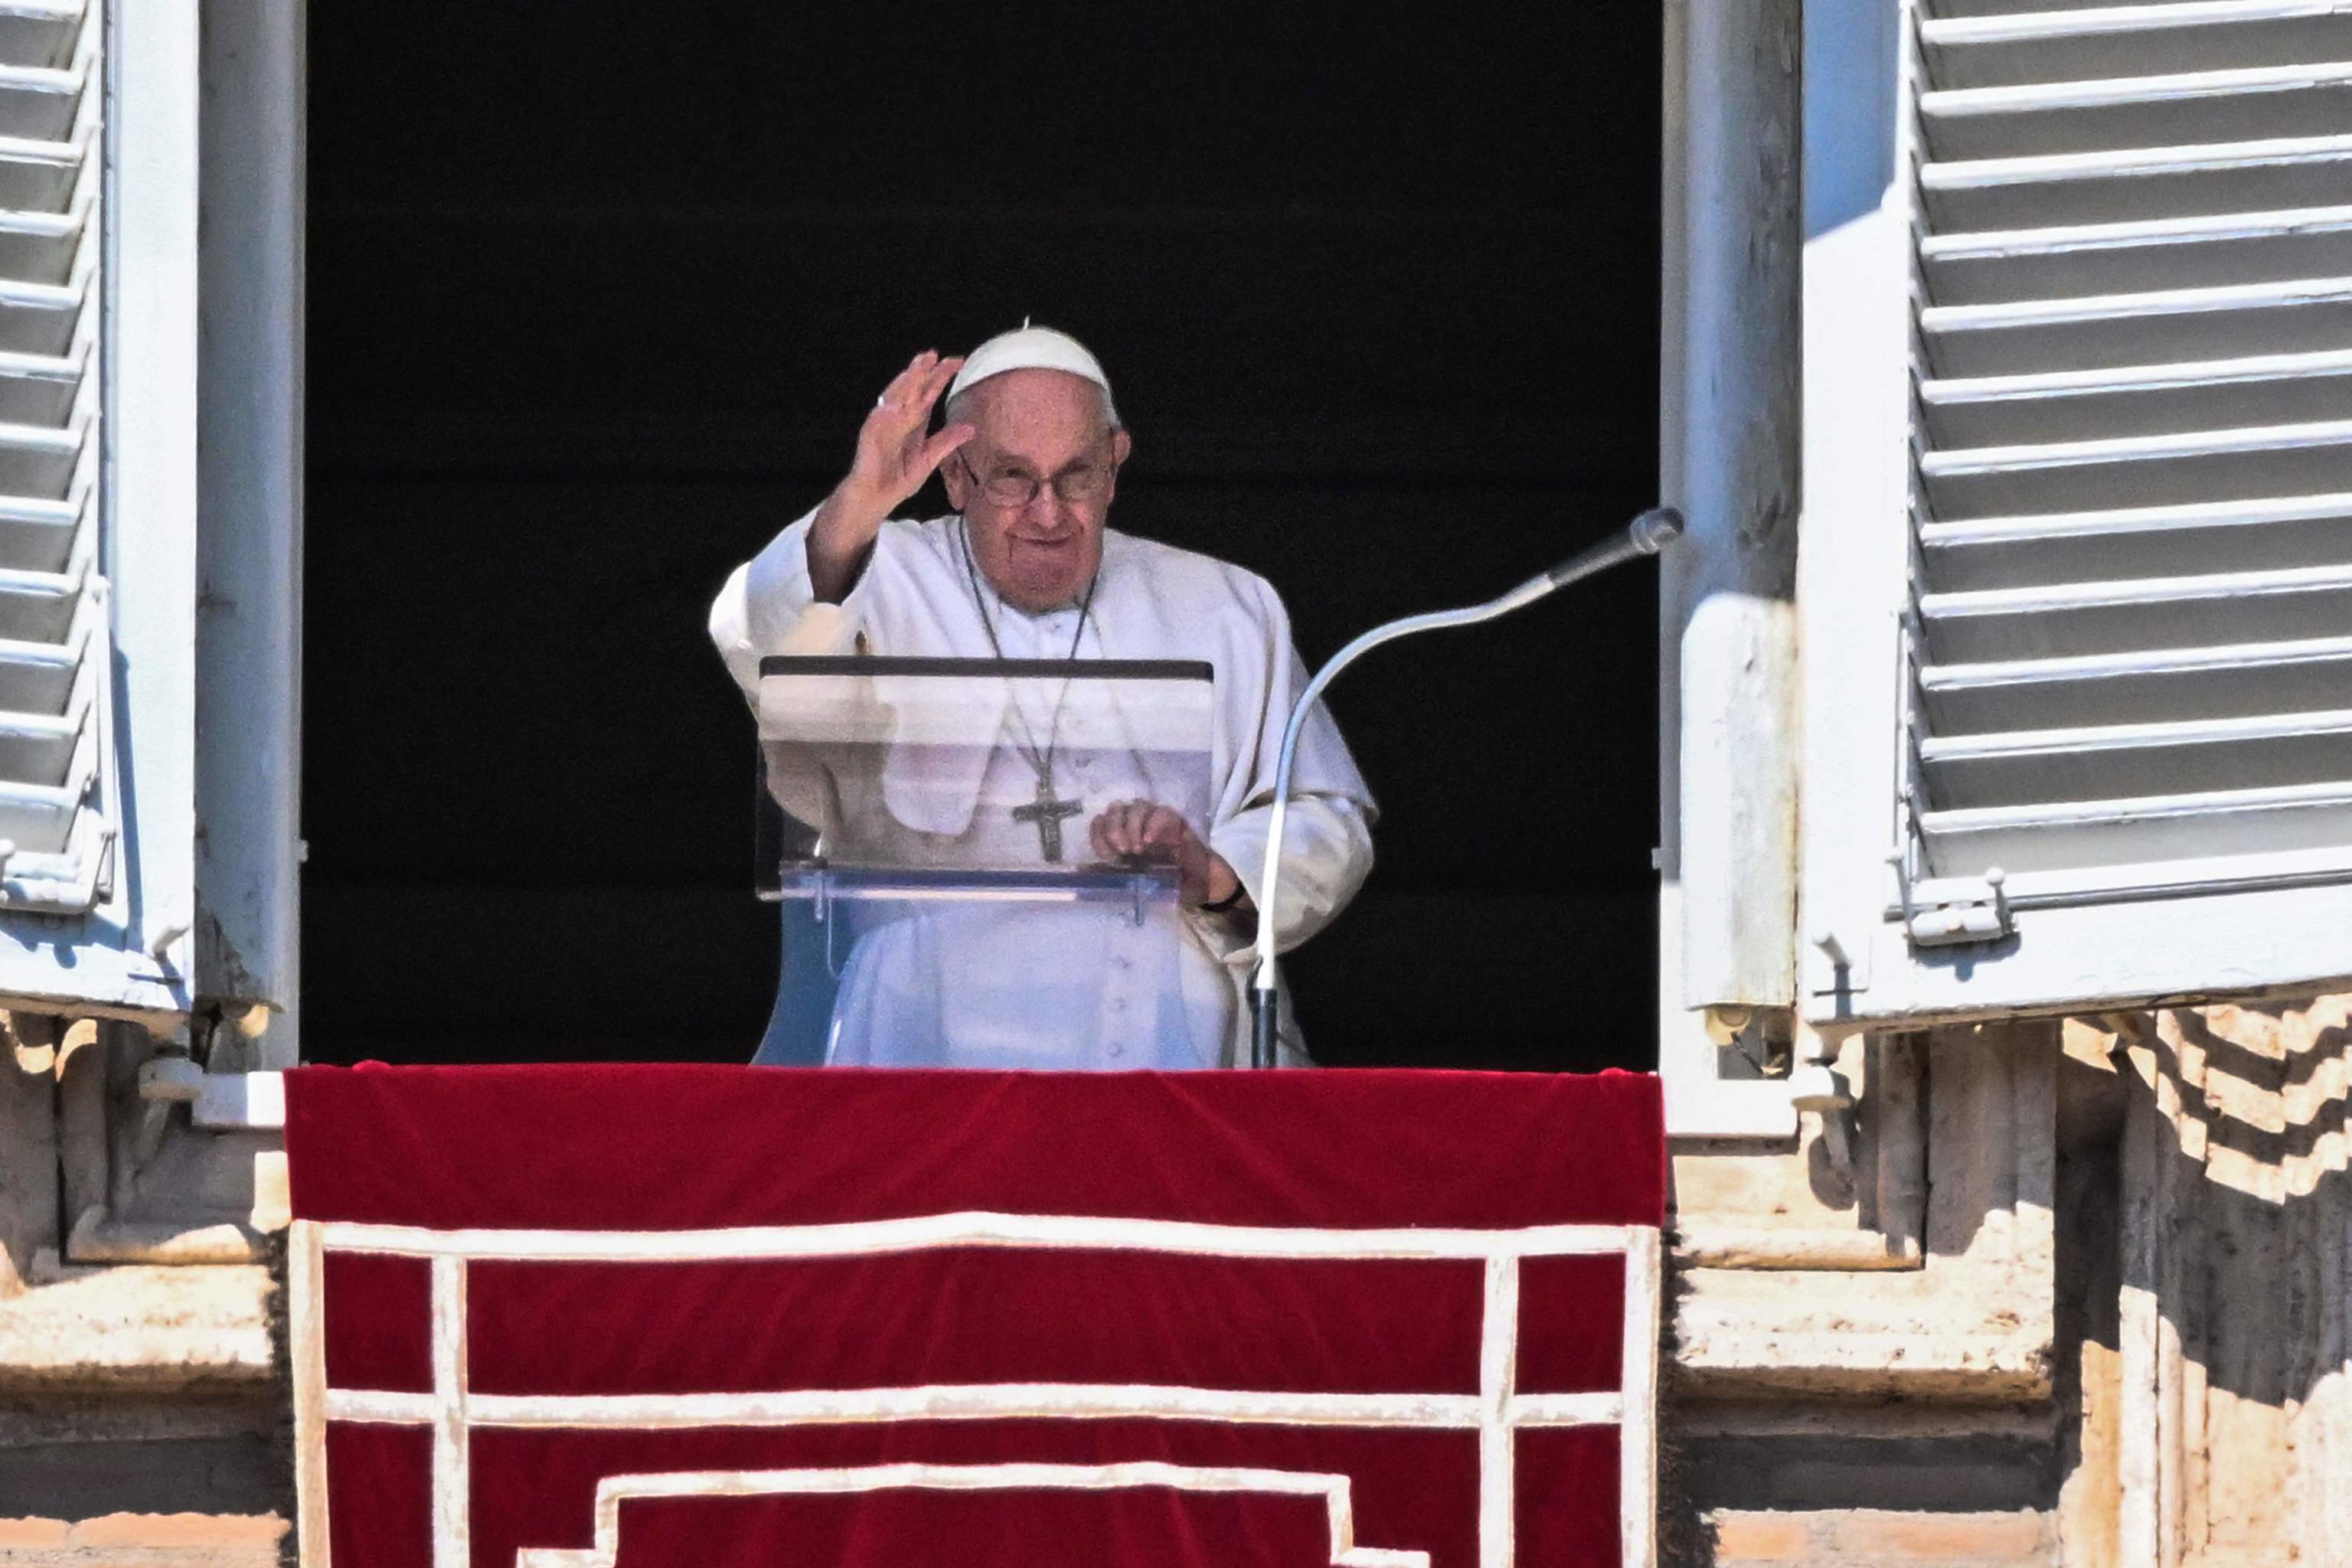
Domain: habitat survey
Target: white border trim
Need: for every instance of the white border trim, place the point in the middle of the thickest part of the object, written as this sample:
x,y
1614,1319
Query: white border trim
x,y
451,1419
866,1239
306,1301
1637,1439
981,1402
1497,1412
1498,1379
613,1491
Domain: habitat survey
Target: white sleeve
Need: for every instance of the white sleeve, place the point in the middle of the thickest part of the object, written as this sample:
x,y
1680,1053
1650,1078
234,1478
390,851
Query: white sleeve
x,y
1327,850
768,606
1327,853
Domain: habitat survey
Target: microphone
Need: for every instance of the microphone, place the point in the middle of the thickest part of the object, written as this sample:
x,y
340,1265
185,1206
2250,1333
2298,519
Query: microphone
x,y
1645,535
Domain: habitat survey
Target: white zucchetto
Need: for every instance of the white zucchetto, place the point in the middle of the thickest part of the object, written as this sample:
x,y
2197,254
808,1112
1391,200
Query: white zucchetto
x,y
1032,348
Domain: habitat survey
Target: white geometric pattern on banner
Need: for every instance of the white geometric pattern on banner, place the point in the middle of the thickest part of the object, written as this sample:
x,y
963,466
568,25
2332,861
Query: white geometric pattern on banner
x,y
613,1491
452,1411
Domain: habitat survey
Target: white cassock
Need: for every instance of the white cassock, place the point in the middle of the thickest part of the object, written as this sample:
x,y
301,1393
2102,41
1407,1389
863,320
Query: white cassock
x,y
1057,986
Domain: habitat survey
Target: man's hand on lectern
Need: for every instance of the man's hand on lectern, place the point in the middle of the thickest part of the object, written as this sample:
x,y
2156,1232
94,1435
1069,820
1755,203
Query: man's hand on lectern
x,y
1143,830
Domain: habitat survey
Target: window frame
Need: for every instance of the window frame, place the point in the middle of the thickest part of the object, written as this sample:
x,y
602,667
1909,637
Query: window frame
x,y
1741,840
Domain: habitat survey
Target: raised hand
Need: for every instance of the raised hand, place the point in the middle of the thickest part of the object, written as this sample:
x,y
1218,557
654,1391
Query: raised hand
x,y
894,456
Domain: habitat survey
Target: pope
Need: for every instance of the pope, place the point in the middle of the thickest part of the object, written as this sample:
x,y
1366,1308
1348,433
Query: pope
x,y
1029,450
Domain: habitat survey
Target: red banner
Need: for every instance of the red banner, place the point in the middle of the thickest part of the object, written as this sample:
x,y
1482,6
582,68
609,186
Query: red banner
x,y
631,1316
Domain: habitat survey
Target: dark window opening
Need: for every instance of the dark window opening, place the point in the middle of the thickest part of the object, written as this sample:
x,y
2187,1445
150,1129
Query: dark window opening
x,y
596,303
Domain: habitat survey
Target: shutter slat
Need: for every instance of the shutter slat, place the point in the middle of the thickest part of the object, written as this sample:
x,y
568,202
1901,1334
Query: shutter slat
x,y
2083,618
2087,404
2179,109
43,381
2124,187
37,105
2189,466
2063,835
40,248
2024,337
2111,762
2069,261
1954,9
2012,550
42,36
36,676
2104,42
2136,686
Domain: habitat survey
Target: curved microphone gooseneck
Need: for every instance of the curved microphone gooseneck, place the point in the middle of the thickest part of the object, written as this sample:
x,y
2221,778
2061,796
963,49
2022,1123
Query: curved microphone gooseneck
x,y
1646,535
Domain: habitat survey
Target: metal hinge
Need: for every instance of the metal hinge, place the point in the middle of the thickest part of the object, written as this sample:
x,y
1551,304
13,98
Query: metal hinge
x,y
1963,909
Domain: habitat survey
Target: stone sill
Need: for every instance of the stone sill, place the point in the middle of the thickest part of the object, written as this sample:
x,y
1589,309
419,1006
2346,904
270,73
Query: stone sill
x,y
122,1538
1973,1336
139,1329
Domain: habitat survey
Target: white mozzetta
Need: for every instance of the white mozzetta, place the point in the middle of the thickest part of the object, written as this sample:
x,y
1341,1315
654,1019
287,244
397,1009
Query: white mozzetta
x,y
2118,615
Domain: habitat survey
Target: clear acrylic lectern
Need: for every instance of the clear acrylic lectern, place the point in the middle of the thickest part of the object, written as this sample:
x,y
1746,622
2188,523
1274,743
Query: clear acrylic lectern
x,y
928,826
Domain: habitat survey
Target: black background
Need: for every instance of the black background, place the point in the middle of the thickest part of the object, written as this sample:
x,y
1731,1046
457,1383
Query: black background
x,y
598,294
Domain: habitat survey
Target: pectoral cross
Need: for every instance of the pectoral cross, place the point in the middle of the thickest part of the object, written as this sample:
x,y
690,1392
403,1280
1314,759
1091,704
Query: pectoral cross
x,y
1049,814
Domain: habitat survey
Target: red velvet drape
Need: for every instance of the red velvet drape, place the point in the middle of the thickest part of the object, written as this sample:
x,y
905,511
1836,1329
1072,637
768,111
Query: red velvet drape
x,y
664,1149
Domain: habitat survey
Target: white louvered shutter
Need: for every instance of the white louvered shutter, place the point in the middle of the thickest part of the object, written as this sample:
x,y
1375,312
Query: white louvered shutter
x,y
2119,759
98,463
58,812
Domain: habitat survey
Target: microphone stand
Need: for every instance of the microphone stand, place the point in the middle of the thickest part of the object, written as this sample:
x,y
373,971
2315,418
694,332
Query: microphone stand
x,y
1648,534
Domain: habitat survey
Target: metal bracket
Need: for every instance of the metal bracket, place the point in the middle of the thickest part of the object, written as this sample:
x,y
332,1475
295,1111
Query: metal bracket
x,y
1971,911
217,1100
1964,909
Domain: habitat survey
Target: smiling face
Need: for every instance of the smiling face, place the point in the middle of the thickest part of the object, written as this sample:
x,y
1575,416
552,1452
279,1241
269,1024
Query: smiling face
x,y
1046,430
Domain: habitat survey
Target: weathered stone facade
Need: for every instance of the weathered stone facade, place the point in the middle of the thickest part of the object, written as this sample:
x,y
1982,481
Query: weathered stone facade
x,y
144,1403
2119,1336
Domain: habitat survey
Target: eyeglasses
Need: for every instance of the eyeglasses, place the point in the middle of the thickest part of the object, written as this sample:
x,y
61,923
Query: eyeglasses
x,y
1008,484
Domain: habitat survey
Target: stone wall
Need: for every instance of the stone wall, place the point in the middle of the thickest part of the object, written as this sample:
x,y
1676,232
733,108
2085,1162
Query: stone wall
x,y
2121,1336
144,1403
143,1415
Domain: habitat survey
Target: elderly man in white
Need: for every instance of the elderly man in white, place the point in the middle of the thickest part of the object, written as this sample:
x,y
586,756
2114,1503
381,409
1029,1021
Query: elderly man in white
x,y
1026,569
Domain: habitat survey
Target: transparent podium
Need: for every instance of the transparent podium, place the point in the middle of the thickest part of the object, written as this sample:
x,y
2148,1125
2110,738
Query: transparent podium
x,y
929,826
